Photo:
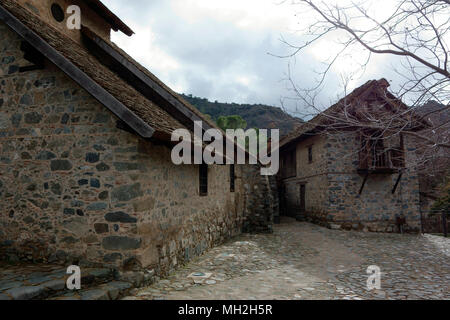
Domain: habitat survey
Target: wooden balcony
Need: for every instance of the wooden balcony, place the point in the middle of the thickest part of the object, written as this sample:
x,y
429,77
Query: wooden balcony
x,y
380,162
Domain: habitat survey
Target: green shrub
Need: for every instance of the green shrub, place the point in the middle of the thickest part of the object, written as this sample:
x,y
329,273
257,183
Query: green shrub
x,y
443,203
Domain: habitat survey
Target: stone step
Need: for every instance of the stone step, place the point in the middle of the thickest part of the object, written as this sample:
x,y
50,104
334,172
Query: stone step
x,y
42,285
109,291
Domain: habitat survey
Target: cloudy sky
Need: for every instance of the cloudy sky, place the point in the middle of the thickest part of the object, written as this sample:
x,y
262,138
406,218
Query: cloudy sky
x,y
222,50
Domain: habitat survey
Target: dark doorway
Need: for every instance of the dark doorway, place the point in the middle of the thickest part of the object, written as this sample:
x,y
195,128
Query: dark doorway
x,y
302,204
283,200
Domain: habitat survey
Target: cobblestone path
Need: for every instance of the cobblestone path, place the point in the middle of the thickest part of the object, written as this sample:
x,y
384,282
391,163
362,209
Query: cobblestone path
x,y
305,261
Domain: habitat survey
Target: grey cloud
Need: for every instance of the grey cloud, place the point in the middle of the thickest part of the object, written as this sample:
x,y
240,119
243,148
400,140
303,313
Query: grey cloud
x,y
213,54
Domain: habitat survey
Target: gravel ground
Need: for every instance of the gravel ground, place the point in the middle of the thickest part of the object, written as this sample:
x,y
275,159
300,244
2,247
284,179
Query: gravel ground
x,y
305,261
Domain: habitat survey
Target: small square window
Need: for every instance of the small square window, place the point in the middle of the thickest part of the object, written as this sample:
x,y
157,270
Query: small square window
x,y
203,179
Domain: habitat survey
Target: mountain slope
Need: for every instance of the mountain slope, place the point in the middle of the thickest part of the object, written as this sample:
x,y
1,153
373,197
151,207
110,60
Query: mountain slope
x,y
434,115
256,115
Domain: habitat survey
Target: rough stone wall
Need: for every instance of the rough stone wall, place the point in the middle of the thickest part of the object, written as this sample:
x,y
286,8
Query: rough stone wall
x,y
75,189
376,208
260,200
313,174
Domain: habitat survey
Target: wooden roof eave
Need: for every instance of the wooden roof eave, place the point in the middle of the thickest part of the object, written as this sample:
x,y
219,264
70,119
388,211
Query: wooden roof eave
x,y
115,22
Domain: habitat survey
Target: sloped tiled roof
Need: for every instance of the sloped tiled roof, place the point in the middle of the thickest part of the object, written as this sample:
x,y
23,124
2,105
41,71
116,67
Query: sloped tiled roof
x,y
355,98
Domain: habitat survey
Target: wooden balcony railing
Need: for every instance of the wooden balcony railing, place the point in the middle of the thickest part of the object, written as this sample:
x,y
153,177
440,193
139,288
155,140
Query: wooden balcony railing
x,y
386,161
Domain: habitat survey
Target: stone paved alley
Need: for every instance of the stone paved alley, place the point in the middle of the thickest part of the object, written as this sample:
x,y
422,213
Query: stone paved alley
x,y
305,261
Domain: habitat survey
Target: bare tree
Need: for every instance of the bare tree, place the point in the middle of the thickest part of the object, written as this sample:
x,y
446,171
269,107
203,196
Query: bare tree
x,y
417,32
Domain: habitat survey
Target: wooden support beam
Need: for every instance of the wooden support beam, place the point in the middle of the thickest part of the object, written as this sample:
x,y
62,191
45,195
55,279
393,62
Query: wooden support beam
x,y
364,183
33,56
31,68
122,125
97,91
397,182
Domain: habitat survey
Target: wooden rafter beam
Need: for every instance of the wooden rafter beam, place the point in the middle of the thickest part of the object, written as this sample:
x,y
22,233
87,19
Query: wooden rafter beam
x,y
33,56
364,183
397,182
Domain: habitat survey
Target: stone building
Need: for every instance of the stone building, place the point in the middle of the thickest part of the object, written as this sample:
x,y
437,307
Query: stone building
x,y
85,169
333,177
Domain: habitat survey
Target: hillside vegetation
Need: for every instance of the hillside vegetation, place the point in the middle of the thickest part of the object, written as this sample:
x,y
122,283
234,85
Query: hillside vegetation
x,y
256,115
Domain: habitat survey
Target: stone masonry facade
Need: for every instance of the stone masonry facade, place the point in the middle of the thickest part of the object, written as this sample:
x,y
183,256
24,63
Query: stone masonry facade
x,y
260,200
332,186
76,189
